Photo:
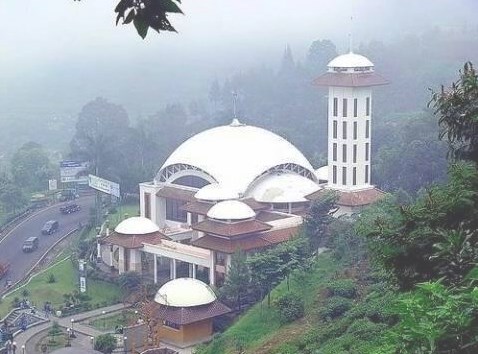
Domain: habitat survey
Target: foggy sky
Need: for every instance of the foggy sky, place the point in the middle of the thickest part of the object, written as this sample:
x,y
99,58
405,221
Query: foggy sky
x,y
56,55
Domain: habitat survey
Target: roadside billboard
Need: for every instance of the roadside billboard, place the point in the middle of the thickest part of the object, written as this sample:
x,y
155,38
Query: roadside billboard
x,y
74,171
103,185
52,185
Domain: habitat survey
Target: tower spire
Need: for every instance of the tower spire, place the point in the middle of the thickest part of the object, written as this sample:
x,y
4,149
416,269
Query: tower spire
x,y
351,37
234,102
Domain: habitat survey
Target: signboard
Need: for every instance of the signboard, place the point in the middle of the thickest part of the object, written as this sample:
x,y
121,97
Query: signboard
x,y
73,171
52,184
82,269
103,185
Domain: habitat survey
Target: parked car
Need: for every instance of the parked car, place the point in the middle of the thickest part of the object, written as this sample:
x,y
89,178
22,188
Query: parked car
x,y
30,244
50,227
70,208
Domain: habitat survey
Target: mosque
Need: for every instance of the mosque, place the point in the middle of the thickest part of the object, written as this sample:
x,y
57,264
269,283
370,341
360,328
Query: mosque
x,y
240,187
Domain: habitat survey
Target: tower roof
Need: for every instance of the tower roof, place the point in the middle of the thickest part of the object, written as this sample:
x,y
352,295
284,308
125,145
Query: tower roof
x,y
350,60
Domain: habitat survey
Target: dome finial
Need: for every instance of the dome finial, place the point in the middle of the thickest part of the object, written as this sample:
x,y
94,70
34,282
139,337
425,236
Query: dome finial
x,y
351,37
234,102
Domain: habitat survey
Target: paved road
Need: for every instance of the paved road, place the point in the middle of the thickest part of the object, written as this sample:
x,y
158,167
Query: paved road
x,y
11,246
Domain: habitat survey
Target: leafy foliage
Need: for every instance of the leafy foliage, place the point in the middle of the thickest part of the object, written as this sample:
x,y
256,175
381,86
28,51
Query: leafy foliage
x,y
318,218
105,343
458,112
147,13
335,306
291,307
237,283
342,287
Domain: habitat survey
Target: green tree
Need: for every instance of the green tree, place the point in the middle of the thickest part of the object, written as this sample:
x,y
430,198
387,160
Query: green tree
x,y
265,270
238,279
318,218
320,53
129,281
457,109
31,167
105,343
100,132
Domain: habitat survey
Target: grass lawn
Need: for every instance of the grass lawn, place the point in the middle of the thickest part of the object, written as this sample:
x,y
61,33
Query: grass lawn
x,y
257,326
66,277
123,211
109,322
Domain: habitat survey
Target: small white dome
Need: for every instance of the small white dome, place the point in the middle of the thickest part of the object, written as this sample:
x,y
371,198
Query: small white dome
x,y
322,173
215,192
283,188
185,292
231,210
136,225
350,60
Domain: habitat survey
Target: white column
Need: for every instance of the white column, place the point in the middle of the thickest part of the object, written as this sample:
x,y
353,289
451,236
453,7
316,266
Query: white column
x,y
121,260
194,271
172,269
155,257
111,255
212,278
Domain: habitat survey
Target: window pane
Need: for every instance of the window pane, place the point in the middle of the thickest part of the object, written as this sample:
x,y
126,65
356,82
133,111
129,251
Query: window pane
x,y
355,153
344,130
336,105
367,106
366,151
344,176
334,174
354,176
334,129
344,107
366,173
367,129
355,130
355,107
334,152
344,153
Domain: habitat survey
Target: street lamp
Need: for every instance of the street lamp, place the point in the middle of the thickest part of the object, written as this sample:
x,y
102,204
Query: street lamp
x,y
104,319
68,344
92,340
124,344
23,348
72,333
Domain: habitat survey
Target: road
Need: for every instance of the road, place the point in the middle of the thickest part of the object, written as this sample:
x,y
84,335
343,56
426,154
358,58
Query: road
x,y
11,246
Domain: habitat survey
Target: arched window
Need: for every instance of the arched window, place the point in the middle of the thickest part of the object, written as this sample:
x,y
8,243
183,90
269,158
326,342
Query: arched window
x,y
191,181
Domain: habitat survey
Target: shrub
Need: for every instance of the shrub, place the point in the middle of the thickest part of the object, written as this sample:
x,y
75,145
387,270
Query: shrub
x,y
291,307
51,279
365,329
105,343
342,287
335,307
25,293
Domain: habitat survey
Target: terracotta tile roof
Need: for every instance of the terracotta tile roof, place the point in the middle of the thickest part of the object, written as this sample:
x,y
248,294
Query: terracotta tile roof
x,y
266,216
133,241
352,198
186,315
255,205
247,243
176,193
350,80
197,207
231,229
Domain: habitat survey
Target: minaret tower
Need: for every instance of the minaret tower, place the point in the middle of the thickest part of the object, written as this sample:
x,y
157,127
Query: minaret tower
x,y
350,78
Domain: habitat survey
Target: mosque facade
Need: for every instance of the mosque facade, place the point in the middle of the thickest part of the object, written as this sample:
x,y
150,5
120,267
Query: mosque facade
x,y
239,187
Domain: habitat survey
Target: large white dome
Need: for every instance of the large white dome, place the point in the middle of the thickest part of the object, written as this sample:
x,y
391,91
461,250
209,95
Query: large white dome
x,y
234,155
185,292
136,225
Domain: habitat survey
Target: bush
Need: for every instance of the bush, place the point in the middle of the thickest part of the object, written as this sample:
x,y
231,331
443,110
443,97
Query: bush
x,y
366,330
335,307
105,343
51,279
342,287
291,307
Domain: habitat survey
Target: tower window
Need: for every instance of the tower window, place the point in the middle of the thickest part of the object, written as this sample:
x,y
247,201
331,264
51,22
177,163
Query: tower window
x,y
334,174
344,176
366,151
367,106
334,128
334,152
174,211
336,106
355,153
344,107
344,153
344,130
354,176
366,173
367,129
355,130
355,107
